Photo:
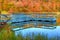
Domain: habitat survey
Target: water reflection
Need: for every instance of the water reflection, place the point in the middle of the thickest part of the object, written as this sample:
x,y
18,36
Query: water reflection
x,y
50,33
23,20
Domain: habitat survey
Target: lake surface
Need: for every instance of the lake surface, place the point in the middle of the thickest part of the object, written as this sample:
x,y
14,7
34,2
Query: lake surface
x,y
18,21
50,33
22,19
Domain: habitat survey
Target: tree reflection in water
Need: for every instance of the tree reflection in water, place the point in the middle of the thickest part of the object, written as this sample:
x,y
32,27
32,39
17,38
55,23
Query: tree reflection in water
x,y
22,20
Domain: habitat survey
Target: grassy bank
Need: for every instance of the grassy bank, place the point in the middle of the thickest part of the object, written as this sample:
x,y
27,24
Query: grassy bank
x,y
7,34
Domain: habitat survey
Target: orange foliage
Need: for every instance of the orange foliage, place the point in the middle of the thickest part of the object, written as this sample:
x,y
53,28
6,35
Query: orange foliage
x,y
58,21
32,5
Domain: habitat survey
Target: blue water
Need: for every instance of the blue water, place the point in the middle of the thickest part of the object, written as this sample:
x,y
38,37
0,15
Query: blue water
x,y
23,17
49,32
43,31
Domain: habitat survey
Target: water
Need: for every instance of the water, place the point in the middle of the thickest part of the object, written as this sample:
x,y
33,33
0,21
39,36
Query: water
x,y
49,32
43,31
20,18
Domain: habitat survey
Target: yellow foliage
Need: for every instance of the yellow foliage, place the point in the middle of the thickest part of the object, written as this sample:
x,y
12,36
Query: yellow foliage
x,y
4,12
